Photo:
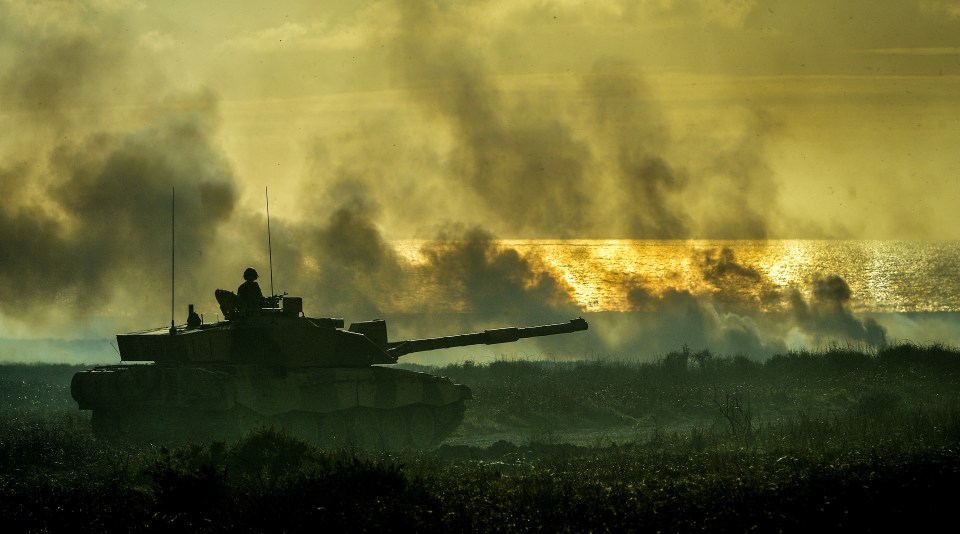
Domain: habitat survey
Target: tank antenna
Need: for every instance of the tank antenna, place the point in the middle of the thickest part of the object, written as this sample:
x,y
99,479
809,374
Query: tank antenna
x,y
266,193
173,240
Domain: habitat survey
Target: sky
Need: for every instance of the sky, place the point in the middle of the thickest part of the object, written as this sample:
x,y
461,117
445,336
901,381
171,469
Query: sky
x,y
370,121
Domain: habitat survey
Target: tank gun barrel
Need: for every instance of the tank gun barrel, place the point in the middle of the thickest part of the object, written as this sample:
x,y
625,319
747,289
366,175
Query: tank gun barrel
x,y
487,337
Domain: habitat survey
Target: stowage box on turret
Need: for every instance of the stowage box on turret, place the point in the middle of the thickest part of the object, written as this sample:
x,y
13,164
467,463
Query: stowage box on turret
x,y
274,366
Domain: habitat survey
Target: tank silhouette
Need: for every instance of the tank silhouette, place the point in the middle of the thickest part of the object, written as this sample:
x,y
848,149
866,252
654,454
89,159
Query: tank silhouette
x,y
275,366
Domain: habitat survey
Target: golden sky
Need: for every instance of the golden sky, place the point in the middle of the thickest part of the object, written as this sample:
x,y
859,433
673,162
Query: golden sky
x,y
526,118
623,119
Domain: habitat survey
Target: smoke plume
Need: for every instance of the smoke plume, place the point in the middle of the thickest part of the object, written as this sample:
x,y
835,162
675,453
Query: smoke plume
x,y
86,228
744,313
457,124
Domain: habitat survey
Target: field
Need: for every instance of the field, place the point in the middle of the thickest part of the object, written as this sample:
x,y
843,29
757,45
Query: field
x,y
835,439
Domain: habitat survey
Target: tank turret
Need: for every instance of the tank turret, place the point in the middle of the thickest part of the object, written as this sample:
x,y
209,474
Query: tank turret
x,y
274,365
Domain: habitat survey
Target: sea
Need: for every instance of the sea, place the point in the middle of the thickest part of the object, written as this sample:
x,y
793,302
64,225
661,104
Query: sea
x,y
645,298
882,276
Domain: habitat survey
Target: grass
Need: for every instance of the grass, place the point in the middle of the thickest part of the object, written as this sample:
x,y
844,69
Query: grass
x,y
831,439
685,390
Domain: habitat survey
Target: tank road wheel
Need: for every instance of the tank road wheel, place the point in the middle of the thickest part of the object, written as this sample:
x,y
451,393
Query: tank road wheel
x,y
449,418
366,428
178,426
325,435
422,427
413,427
170,426
334,430
243,420
304,426
393,430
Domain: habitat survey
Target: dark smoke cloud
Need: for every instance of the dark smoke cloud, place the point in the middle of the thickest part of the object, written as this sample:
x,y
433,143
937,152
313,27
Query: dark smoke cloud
x,y
357,273
721,267
346,268
674,318
105,223
744,312
487,284
645,185
528,164
100,144
737,286
828,313
737,187
516,157
733,319
87,212
60,73
600,162
334,252
471,281
492,281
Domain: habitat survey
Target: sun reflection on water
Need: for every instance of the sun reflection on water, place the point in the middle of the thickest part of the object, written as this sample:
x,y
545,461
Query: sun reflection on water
x,y
884,276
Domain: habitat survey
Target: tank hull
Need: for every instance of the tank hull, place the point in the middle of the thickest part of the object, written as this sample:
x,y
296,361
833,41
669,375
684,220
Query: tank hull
x,y
373,407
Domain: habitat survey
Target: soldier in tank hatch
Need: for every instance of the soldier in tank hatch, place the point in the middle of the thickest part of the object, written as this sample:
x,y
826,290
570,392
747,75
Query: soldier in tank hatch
x,y
249,291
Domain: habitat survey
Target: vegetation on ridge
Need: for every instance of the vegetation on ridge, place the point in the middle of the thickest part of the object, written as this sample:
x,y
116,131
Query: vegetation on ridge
x,y
691,442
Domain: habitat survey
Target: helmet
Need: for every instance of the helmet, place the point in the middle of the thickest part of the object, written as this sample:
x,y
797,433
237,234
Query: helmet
x,y
250,274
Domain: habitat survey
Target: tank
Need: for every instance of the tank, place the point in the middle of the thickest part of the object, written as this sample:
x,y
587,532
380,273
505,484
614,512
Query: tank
x,y
274,366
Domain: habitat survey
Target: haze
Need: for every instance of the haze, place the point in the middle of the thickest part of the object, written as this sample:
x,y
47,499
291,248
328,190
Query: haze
x,y
372,121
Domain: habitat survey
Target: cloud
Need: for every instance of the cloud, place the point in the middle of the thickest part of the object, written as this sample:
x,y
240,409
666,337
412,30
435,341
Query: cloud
x,y
947,8
312,36
155,41
271,39
920,51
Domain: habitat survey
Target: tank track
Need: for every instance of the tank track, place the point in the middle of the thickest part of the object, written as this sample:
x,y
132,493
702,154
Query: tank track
x,y
414,427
